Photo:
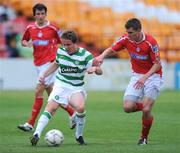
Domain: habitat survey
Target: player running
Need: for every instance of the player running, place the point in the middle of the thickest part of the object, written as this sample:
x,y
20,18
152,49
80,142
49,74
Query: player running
x,y
44,38
146,80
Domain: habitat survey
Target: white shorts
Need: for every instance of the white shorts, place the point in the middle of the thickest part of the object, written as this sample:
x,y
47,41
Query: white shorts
x,y
48,80
62,94
151,87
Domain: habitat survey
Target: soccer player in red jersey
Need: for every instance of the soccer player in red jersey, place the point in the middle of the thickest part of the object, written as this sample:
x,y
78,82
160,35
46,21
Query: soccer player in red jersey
x,y
146,79
44,38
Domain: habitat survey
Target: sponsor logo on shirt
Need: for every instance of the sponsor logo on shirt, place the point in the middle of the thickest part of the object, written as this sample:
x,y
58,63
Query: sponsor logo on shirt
x,y
69,70
139,57
40,42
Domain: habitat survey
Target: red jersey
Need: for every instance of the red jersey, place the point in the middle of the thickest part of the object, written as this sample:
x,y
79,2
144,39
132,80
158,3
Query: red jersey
x,y
45,42
143,54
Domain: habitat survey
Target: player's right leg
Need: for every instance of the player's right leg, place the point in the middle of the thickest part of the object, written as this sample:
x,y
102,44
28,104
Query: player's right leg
x,y
132,97
50,109
132,104
38,103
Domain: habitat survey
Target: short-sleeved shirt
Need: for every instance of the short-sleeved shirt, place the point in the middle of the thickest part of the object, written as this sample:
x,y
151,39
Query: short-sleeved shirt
x,y
143,54
72,67
45,42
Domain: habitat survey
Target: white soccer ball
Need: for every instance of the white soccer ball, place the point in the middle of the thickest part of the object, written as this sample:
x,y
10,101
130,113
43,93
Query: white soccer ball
x,y
54,138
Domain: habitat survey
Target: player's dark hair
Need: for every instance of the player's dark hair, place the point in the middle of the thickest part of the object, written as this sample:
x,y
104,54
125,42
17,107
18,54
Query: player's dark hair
x,y
40,7
133,23
70,35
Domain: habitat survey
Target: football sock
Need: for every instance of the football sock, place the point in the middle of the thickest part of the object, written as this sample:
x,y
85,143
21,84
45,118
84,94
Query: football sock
x,y
35,110
69,109
139,107
146,125
80,122
42,122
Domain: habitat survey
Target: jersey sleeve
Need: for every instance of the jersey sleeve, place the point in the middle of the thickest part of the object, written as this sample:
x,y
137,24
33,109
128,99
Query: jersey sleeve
x,y
154,52
57,57
26,35
58,35
118,44
89,61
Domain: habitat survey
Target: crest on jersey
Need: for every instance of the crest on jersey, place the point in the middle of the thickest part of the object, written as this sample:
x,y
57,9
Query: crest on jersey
x,y
57,97
155,48
40,34
77,62
138,49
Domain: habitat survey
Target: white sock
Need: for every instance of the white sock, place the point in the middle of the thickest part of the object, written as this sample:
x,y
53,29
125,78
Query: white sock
x,y
80,122
42,122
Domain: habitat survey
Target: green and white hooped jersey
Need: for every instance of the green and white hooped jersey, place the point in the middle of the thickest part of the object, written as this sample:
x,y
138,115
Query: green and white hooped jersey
x,y
72,68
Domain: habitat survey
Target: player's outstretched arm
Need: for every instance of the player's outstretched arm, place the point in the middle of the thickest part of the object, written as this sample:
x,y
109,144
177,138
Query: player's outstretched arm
x,y
99,60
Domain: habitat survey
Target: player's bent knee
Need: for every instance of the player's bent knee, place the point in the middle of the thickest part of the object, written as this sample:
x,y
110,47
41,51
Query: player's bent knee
x,y
146,110
81,115
127,109
51,107
80,109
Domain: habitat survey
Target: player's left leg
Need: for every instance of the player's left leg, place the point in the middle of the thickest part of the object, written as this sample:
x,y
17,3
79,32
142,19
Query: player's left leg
x,y
67,108
77,100
147,120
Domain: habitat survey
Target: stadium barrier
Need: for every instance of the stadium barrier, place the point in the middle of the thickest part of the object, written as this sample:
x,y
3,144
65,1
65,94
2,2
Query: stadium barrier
x,y
20,74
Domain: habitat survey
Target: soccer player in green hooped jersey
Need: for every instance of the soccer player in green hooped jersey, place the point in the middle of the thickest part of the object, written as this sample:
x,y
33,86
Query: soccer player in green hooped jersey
x,y
72,63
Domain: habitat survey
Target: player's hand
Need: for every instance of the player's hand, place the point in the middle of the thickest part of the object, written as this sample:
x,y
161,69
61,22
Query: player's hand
x,y
42,79
97,61
140,83
29,44
91,70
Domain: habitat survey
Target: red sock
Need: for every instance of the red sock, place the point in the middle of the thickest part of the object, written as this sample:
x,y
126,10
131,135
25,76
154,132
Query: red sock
x,y
35,110
139,106
146,125
69,109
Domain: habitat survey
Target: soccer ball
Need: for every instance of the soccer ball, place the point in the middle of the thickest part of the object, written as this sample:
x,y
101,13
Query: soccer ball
x,y
54,138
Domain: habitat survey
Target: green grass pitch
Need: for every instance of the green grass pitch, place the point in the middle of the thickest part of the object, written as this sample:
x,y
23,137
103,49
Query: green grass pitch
x,y
108,129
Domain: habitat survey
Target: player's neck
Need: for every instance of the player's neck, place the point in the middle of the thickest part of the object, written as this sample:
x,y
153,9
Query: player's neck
x,y
74,51
140,37
41,24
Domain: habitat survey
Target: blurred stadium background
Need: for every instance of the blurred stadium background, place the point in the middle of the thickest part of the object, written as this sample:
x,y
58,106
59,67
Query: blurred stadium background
x,y
98,23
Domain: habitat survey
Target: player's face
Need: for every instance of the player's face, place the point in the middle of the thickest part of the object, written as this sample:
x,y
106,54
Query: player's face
x,y
133,34
40,16
68,45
